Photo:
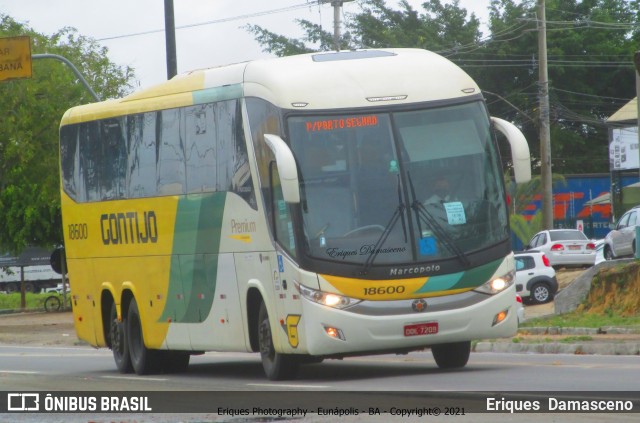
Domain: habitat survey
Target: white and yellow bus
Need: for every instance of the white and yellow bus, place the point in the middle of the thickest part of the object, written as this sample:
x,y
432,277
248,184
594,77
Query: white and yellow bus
x,y
286,206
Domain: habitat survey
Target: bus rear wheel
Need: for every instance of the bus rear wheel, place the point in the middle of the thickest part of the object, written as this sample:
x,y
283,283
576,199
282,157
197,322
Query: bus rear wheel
x,y
118,342
276,366
143,360
452,356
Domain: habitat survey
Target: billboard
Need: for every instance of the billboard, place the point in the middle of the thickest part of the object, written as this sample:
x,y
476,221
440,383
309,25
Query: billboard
x,y
623,149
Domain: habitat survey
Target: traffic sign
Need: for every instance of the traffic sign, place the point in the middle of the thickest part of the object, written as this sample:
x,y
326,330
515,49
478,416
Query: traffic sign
x,y
15,58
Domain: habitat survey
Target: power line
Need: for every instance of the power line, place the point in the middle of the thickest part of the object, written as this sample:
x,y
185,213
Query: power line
x,y
223,20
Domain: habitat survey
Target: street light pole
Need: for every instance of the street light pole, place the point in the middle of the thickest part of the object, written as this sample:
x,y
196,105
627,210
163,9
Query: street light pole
x,y
170,37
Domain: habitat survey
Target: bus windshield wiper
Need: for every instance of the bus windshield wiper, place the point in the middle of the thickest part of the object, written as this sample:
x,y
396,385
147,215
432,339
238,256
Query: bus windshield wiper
x,y
442,235
397,214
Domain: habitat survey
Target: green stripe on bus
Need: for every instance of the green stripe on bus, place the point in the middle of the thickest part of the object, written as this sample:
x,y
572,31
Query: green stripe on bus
x,y
211,95
472,278
194,263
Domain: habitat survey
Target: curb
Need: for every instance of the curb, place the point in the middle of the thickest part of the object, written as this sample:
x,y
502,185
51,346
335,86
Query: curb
x,y
590,348
594,347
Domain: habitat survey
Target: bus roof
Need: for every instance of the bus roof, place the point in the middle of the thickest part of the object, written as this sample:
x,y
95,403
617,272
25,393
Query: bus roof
x,y
327,80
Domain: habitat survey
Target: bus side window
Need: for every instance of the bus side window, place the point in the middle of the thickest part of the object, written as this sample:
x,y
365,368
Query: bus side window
x,y
142,155
171,163
201,127
113,159
90,158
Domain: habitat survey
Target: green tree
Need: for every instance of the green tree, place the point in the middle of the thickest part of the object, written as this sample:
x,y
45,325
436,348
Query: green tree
x,y
522,195
31,111
525,229
590,49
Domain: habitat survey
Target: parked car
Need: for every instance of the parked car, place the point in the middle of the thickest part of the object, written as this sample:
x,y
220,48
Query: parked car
x,y
564,247
599,251
57,289
536,280
621,240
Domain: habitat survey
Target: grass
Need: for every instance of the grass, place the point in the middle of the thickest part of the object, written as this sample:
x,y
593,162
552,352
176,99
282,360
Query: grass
x,y
582,320
33,301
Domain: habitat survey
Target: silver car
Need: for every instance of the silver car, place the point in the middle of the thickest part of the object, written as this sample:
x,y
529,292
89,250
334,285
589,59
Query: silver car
x,y
621,241
564,247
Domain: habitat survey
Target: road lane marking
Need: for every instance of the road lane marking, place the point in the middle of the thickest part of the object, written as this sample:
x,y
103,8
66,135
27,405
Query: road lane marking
x,y
136,378
19,372
277,385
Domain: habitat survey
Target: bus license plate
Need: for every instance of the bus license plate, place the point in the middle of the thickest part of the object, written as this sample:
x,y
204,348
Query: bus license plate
x,y
418,329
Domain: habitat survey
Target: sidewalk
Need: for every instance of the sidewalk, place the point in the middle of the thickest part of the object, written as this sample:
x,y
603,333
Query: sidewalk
x,y
598,341
557,340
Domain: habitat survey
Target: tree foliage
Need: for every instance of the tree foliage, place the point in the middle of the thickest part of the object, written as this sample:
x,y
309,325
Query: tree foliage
x,y
590,50
31,111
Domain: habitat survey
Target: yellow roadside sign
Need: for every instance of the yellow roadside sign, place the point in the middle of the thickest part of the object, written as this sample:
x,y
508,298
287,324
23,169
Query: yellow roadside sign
x,y
15,58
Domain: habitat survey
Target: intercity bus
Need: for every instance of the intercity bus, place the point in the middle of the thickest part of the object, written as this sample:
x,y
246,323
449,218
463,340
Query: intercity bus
x,y
284,206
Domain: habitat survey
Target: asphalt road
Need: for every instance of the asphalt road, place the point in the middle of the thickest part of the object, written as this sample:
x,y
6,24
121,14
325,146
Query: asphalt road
x,y
49,358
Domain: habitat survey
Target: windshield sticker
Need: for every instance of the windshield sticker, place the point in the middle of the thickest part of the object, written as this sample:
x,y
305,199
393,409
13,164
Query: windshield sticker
x,y
428,246
455,213
341,123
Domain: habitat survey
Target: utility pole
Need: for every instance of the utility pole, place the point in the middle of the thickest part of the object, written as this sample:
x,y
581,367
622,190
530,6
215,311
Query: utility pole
x,y
170,37
545,132
337,6
636,62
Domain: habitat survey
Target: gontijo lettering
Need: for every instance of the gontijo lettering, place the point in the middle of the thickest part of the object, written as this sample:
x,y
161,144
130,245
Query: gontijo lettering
x,y
129,228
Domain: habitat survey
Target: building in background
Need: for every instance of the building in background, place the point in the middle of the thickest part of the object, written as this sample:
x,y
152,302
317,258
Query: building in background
x,y
624,158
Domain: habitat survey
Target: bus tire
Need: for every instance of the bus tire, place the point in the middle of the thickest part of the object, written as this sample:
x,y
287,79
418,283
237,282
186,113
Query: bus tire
x,y
452,356
118,342
276,366
143,360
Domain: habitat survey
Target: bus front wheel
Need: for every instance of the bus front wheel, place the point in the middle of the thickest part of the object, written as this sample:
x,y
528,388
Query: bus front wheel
x,y
452,356
118,342
143,360
276,366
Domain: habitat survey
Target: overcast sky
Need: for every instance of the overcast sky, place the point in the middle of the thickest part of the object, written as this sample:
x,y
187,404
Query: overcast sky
x,y
220,40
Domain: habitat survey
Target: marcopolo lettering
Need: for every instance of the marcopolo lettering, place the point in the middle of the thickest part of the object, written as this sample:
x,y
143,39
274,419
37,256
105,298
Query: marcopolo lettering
x,y
129,228
399,271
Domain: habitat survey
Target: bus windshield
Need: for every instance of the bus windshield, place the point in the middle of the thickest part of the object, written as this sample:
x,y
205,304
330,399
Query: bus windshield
x,y
399,187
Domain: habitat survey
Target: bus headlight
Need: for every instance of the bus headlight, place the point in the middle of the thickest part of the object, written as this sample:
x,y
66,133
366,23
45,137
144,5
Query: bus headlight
x,y
328,299
496,285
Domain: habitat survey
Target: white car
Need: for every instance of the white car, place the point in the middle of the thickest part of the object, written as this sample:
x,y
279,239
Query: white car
x,y
536,280
57,289
564,247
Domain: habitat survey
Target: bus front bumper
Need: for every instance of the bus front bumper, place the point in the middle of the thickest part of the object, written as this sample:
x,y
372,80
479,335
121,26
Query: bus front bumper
x,y
332,332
